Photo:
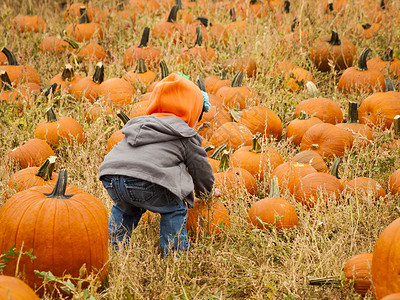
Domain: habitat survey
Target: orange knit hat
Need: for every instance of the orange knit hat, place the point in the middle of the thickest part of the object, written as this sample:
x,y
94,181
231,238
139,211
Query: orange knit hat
x,y
176,96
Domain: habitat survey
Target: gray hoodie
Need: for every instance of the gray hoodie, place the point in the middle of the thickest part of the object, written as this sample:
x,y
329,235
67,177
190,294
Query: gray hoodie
x,y
165,151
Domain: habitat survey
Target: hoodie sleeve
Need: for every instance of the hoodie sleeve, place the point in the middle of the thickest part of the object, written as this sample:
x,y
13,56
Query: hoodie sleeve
x,y
199,168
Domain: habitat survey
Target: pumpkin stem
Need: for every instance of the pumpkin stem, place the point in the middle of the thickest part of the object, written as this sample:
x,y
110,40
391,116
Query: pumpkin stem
x,y
314,146
178,3
335,41
396,127
388,56
224,76
141,66
274,188
353,112
199,37
335,167
46,170
329,8
303,115
255,145
145,37
237,79
164,69
5,81
209,148
218,152
120,6
68,73
235,115
366,26
98,76
331,280
51,115
204,21
72,43
12,61
29,10
49,89
253,2
123,116
201,84
312,89
224,161
173,14
295,23
389,85
84,19
232,13
382,4
60,187
286,6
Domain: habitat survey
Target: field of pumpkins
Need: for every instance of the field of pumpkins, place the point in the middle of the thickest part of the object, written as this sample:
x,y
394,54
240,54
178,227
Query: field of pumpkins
x,y
303,135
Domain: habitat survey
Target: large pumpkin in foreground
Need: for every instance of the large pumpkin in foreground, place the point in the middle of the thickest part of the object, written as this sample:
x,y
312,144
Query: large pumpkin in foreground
x,y
64,226
386,261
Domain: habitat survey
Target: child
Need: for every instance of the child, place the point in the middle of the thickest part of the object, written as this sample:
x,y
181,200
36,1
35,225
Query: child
x,y
158,163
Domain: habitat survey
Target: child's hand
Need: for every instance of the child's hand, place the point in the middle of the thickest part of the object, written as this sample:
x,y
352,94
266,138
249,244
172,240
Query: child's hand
x,y
198,201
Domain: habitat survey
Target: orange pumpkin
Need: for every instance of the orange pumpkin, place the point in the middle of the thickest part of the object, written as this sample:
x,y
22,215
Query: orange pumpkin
x,y
312,158
33,153
386,64
85,30
214,83
358,271
29,23
66,78
87,88
363,186
297,127
232,134
56,46
140,77
91,52
116,92
14,288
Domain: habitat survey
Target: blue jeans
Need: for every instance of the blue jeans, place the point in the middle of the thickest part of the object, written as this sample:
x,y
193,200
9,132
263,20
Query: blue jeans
x,y
132,197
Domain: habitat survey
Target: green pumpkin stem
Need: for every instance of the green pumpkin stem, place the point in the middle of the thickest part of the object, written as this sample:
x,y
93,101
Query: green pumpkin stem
x,y
235,115
388,56
51,115
237,79
218,152
286,6
5,81
145,38
98,76
255,145
224,161
179,4
123,116
68,73
353,112
303,115
312,89
164,69
12,61
396,127
232,13
335,41
72,43
173,14
199,37
60,187
29,10
224,76
46,170
141,66
330,280
209,148
84,19
389,86
274,188
201,84
366,26
335,167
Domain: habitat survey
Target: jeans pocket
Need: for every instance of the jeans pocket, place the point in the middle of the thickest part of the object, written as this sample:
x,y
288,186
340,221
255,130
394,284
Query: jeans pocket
x,y
107,182
139,190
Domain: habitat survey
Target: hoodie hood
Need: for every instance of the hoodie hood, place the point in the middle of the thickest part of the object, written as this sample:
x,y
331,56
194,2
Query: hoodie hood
x,y
151,129
176,96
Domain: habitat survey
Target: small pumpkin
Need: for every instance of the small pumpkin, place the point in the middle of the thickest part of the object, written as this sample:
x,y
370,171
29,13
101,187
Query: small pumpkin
x,y
329,49
34,176
245,64
386,64
88,87
232,134
91,52
364,186
358,271
29,22
33,153
361,79
150,54
168,29
141,76
85,30
116,92
297,127
66,78
214,83
117,136
312,158
14,288
57,131
257,159
197,52
55,45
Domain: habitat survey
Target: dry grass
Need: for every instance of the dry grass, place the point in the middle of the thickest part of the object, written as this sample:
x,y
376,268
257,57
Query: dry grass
x,y
244,263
